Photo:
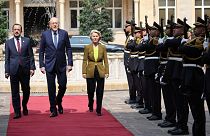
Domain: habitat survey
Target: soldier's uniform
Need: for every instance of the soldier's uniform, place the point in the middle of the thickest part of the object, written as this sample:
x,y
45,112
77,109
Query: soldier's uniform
x,y
172,74
136,66
168,97
132,91
193,79
152,95
206,60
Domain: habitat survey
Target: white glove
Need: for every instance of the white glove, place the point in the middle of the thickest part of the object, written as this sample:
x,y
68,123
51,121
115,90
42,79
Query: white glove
x,y
170,38
205,44
131,38
145,38
142,72
184,40
160,40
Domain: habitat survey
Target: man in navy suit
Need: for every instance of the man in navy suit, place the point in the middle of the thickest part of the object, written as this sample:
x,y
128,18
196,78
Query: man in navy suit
x,y
19,66
54,46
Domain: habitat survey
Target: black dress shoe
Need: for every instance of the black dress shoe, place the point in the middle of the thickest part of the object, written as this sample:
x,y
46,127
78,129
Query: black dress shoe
x,y
90,109
60,109
149,117
154,117
144,111
25,110
99,114
137,106
17,115
167,124
164,121
53,114
130,101
179,131
173,129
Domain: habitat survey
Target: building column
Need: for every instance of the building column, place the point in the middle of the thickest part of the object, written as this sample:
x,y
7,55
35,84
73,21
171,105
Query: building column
x,y
17,11
62,10
136,11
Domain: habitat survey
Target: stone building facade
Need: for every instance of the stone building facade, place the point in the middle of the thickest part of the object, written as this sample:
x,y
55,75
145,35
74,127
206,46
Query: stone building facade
x,y
34,14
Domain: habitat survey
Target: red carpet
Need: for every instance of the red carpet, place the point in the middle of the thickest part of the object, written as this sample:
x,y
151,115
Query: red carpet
x,y
76,120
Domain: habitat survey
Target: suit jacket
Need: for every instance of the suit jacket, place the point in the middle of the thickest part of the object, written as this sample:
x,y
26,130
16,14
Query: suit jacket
x,y
49,55
12,56
89,62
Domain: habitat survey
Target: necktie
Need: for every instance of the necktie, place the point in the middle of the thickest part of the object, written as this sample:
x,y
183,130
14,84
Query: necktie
x,y
55,39
18,46
19,51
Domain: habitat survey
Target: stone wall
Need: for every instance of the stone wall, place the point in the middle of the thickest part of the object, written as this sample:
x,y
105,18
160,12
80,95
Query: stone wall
x,y
116,81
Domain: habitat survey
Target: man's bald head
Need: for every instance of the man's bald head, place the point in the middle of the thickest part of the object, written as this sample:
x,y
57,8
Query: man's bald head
x,y
54,23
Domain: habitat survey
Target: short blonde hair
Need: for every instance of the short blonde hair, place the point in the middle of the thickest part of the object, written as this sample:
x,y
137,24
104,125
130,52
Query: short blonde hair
x,y
95,31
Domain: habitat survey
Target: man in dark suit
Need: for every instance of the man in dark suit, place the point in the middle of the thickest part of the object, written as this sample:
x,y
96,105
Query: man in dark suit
x,y
19,66
54,46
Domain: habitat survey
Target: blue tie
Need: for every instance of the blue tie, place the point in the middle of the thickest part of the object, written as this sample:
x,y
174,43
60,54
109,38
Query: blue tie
x,y
55,39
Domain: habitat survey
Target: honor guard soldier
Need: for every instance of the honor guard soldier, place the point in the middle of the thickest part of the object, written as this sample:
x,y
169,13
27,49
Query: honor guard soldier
x,y
172,73
152,90
136,65
206,60
193,77
128,32
168,97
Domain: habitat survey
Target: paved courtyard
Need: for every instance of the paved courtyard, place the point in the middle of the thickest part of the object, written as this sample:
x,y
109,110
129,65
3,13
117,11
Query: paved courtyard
x,y
114,103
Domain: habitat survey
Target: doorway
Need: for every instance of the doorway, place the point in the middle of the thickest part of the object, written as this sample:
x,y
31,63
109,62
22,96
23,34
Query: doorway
x,y
36,21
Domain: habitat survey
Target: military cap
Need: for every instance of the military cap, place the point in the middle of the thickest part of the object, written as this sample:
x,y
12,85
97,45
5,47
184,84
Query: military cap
x,y
155,26
200,22
180,23
138,29
128,23
169,23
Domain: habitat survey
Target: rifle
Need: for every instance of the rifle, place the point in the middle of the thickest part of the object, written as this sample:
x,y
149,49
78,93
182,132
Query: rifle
x,y
172,25
132,27
147,26
140,24
161,31
185,28
206,26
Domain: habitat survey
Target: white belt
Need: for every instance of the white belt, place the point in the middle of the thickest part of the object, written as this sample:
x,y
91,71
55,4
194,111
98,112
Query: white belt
x,y
148,58
163,62
141,57
127,51
134,56
175,58
192,65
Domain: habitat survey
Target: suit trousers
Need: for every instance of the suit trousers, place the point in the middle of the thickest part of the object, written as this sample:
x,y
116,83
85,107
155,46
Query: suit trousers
x,y
62,81
23,77
154,95
170,103
182,108
132,91
147,93
96,83
198,113
140,88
